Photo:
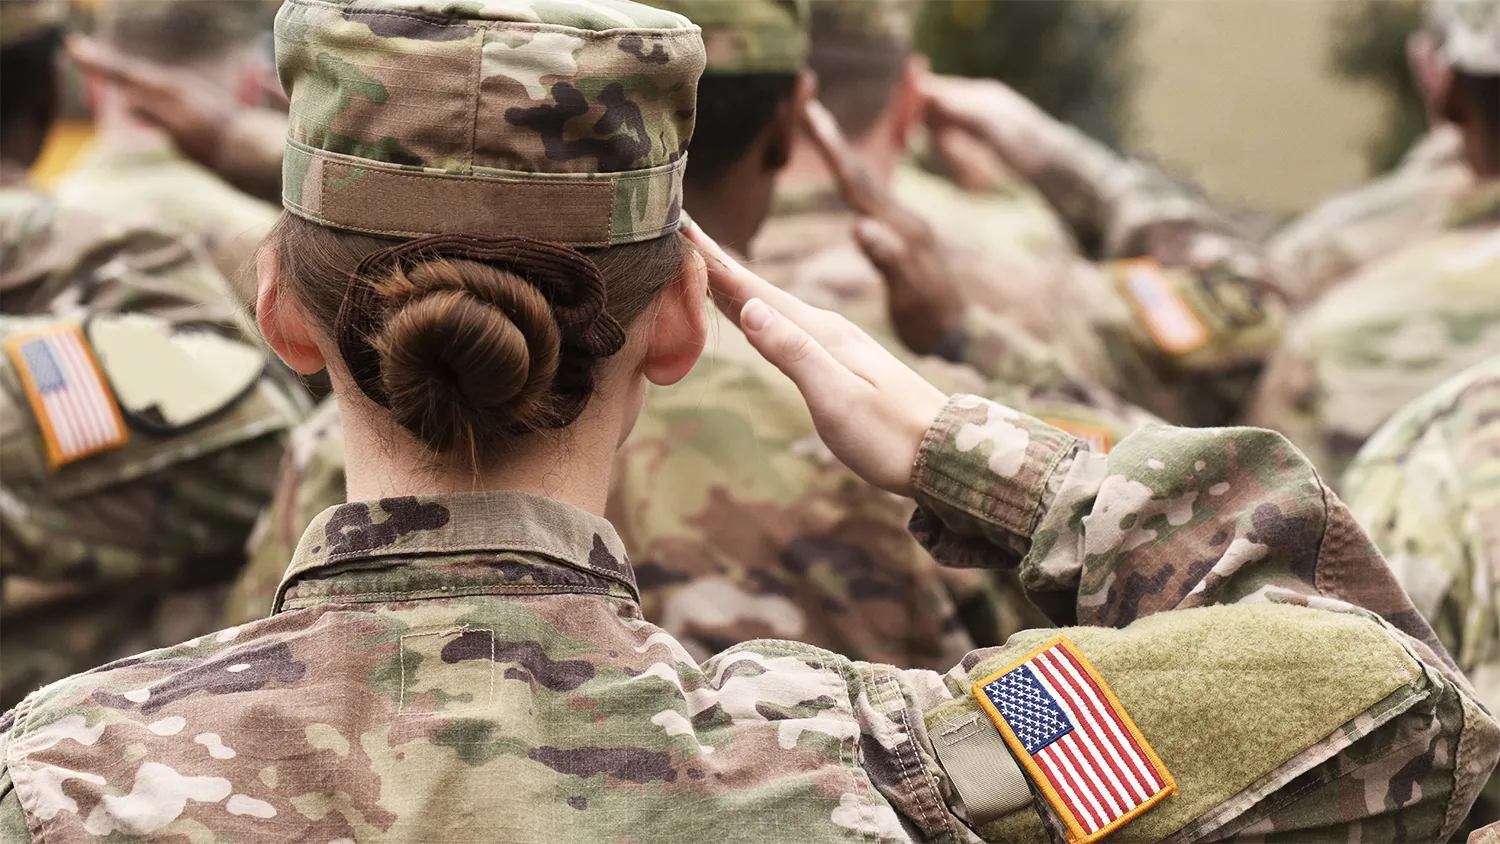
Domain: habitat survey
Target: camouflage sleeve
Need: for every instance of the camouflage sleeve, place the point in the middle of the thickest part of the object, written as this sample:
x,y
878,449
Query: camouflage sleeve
x,y
1263,596
1202,304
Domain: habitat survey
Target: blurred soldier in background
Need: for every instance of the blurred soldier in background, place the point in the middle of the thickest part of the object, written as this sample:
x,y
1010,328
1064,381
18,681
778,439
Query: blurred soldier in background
x,y
1427,488
139,434
1342,235
1404,324
132,163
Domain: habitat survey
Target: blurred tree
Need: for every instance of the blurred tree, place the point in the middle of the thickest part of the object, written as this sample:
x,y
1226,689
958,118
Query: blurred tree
x,y
1070,56
1371,49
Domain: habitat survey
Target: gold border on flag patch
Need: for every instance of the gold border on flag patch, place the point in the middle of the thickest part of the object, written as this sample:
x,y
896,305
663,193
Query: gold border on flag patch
x,y
76,411
1074,740
1171,321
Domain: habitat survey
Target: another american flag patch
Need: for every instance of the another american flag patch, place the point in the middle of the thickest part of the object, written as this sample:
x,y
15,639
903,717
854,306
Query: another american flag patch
x,y
1072,736
73,405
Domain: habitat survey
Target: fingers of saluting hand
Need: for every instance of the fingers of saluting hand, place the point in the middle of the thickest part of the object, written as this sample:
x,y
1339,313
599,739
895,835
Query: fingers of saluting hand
x,y
855,183
732,285
99,58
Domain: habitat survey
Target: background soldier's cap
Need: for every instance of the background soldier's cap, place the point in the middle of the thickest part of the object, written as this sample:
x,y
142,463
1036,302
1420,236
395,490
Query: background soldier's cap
x,y
1471,34
748,36
22,20
562,120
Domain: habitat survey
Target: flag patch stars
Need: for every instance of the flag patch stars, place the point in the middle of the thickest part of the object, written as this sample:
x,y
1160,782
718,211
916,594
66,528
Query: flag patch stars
x,y
1070,734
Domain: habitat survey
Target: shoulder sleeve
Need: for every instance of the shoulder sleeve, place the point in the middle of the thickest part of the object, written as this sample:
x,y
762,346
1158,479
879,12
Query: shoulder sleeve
x,y
12,817
1214,570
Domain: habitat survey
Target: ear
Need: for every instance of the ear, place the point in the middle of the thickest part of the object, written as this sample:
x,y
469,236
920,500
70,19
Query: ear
x,y
786,127
680,329
281,323
907,105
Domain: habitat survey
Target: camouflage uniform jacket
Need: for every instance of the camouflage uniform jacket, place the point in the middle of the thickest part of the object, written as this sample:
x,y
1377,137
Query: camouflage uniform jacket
x,y
65,261
121,172
1344,234
1427,488
1387,335
127,549
425,649
1170,305
740,522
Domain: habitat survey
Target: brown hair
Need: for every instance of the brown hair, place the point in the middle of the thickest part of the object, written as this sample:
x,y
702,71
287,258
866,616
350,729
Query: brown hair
x,y
470,355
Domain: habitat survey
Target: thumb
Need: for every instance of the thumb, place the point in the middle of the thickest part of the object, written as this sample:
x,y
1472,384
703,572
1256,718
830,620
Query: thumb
x,y
789,347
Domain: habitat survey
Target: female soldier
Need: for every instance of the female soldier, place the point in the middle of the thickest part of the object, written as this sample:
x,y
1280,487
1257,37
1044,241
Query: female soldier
x,y
481,246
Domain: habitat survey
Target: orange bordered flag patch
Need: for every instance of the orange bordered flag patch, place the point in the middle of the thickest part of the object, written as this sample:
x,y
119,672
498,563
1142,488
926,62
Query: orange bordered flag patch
x,y
73,405
1172,323
1068,731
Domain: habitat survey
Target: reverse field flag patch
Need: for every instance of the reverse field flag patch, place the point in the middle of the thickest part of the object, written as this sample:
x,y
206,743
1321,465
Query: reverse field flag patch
x,y
73,405
1172,323
1068,731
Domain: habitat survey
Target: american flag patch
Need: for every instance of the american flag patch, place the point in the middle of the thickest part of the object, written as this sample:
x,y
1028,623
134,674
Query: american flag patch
x,y
1072,736
74,407
1175,327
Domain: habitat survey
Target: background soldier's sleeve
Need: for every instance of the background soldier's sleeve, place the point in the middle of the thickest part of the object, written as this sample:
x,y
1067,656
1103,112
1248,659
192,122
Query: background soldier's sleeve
x,y
1199,304
1242,619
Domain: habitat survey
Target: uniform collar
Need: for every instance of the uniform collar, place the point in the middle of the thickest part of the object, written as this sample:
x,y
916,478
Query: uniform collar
x,y
568,549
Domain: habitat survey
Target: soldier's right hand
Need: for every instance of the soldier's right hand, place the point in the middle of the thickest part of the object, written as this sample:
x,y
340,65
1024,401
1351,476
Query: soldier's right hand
x,y
192,112
1013,126
925,302
870,409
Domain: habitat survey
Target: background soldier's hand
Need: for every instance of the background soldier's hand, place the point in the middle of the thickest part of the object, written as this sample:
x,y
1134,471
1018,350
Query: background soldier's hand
x,y
925,301
192,112
1014,127
870,408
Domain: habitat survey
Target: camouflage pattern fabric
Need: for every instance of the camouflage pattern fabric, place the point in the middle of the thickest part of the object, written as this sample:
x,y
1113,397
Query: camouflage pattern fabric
x,y
1427,488
128,549
748,36
600,126
1348,232
119,173
66,261
425,648
1179,309
1386,336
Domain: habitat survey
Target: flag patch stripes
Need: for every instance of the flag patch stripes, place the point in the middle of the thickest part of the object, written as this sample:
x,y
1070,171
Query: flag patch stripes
x,y
73,405
1068,731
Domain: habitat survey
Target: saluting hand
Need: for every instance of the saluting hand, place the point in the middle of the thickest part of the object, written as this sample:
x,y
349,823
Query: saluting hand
x,y
194,113
870,408
926,303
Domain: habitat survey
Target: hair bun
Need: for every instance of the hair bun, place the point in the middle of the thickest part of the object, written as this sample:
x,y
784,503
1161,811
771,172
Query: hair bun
x,y
466,350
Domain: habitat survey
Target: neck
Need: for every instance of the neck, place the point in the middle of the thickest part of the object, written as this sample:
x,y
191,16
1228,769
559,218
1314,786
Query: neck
x,y
571,465
732,224
880,159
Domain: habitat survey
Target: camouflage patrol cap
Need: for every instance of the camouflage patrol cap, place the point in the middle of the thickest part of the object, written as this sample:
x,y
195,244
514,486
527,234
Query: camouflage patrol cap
x,y
561,120
21,20
1471,34
748,36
